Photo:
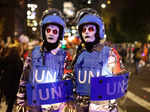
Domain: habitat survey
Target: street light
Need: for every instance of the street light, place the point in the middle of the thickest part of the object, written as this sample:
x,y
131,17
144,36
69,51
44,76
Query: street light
x,y
108,2
89,1
31,16
103,5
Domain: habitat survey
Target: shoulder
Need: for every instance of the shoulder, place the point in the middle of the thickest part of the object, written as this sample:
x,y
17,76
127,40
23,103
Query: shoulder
x,y
106,48
36,52
36,49
113,51
62,52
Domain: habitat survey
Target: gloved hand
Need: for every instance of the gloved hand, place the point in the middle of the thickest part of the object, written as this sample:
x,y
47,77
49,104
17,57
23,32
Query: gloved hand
x,y
68,76
21,94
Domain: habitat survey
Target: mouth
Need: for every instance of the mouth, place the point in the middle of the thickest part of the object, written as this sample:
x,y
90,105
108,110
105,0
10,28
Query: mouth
x,y
87,37
50,38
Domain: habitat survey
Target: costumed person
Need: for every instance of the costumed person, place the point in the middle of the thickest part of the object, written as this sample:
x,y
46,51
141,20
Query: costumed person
x,y
46,65
93,59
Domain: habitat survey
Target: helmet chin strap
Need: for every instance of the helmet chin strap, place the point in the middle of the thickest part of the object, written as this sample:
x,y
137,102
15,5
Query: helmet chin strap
x,y
89,45
50,46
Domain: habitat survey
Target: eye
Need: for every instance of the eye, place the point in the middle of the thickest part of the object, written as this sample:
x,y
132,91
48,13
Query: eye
x,y
91,29
55,31
48,30
84,30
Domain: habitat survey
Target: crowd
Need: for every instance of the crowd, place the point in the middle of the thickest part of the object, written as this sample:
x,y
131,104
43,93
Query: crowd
x,y
13,53
136,54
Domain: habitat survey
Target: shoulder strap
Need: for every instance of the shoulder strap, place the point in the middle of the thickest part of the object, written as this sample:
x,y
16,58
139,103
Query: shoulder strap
x,y
105,53
36,52
62,52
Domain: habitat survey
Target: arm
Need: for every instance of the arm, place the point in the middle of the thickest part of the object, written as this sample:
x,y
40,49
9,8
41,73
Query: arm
x,y
67,67
21,95
115,63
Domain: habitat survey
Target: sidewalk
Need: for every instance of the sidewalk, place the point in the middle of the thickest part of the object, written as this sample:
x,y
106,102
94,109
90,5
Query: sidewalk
x,y
138,95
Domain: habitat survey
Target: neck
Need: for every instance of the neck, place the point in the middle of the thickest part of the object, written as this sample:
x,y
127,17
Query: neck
x,y
50,46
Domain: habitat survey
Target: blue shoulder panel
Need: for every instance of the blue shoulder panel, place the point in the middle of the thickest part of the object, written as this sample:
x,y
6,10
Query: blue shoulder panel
x,y
107,88
36,52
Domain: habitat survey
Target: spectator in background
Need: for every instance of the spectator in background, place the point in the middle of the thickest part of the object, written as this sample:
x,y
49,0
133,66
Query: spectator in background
x,y
2,49
12,69
145,53
9,41
24,40
137,57
123,53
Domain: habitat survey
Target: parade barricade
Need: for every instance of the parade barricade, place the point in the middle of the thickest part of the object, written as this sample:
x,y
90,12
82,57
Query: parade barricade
x,y
107,88
49,93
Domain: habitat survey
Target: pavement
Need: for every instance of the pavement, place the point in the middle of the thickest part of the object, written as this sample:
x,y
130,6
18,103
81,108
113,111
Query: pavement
x,y
137,98
138,95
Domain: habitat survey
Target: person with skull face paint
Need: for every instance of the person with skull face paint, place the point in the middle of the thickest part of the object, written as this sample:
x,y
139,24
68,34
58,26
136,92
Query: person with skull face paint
x,y
92,59
50,56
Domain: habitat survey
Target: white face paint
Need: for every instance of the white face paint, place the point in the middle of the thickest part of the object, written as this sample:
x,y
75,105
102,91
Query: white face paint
x,y
88,33
52,33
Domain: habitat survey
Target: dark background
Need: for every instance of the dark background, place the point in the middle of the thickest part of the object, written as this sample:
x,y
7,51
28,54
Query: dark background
x,y
125,20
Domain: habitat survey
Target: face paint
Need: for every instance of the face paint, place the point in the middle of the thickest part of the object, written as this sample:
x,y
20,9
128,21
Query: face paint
x,y
88,33
52,33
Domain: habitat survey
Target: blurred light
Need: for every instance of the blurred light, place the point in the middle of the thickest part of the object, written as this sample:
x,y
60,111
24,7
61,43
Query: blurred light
x,y
64,42
148,38
32,16
69,12
33,9
105,36
68,9
108,2
35,6
73,31
70,38
35,23
77,27
68,33
28,24
28,5
73,27
32,6
136,42
103,5
89,1
29,12
16,33
34,28
63,46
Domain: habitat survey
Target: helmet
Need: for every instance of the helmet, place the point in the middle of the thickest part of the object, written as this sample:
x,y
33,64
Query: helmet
x,y
53,16
92,18
83,12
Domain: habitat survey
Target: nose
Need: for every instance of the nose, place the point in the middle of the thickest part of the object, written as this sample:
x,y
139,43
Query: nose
x,y
87,31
